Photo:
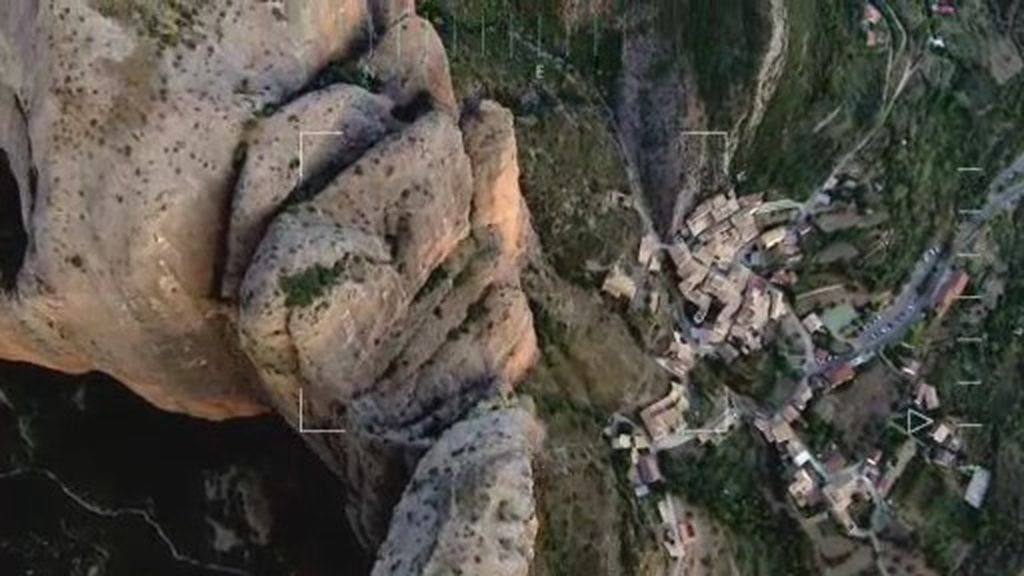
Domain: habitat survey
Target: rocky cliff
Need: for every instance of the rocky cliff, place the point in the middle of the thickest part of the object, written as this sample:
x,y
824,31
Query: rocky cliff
x,y
241,206
469,508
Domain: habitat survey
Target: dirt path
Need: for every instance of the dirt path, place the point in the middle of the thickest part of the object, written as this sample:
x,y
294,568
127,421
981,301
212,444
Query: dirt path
x,y
827,120
908,72
894,54
911,64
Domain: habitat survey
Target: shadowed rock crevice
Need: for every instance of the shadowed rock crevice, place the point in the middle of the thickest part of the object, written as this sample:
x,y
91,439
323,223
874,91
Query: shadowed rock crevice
x,y
420,104
224,210
13,238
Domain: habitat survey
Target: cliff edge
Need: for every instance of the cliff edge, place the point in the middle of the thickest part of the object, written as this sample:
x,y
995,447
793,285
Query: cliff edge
x,y
276,206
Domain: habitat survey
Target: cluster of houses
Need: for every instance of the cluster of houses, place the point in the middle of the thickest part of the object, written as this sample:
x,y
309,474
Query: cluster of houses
x,y
942,441
870,22
729,308
644,471
941,8
944,8
665,427
731,305
834,483
662,420
812,482
842,488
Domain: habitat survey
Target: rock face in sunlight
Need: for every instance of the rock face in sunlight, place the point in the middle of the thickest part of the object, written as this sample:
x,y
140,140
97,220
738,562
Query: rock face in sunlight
x,y
225,208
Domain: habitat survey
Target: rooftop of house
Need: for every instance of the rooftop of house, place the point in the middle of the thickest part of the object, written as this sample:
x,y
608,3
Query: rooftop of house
x,y
951,290
871,14
926,396
840,374
665,416
647,467
977,487
803,488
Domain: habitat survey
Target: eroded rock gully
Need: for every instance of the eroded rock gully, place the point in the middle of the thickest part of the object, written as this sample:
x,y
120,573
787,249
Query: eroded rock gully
x,y
202,224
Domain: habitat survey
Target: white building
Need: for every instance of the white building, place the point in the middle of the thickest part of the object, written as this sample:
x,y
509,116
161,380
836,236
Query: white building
x,y
977,487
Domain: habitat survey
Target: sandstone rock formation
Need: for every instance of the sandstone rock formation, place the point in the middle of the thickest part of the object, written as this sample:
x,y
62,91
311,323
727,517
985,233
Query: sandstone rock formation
x,y
469,507
128,119
391,298
411,63
330,127
203,212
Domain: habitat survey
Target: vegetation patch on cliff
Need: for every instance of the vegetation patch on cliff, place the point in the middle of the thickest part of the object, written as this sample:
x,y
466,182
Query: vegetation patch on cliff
x,y
589,368
170,22
304,288
307,286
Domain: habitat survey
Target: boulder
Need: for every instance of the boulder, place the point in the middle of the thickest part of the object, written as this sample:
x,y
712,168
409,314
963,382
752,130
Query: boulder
x,y
319,133
410,62
469,508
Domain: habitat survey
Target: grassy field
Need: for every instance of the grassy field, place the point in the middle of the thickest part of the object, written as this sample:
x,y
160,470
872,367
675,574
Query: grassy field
x,y
927,497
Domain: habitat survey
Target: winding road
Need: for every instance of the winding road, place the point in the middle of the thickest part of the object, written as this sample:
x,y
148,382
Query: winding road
x,y
922,290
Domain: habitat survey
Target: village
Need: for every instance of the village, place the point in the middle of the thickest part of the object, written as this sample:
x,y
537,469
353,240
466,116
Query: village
x,y
733,262
730,311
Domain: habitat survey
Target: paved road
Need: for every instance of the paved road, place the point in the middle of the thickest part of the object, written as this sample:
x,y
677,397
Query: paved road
x,y
921,290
